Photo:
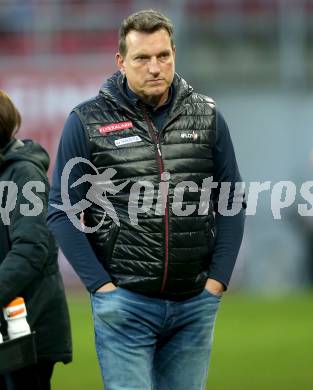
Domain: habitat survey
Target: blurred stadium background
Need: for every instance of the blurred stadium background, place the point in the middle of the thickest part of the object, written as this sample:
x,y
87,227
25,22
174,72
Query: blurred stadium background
x,y
255,57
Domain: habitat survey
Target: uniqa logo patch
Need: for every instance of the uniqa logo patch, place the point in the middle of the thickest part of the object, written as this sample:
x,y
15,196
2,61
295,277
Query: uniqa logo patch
x,y
128,140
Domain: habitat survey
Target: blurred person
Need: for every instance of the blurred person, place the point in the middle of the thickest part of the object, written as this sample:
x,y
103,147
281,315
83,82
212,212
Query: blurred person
x,y
28,253
155,284
308,230
303,223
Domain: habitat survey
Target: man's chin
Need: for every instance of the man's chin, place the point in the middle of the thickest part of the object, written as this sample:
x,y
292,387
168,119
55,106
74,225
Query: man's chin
x,y
154,95
156,91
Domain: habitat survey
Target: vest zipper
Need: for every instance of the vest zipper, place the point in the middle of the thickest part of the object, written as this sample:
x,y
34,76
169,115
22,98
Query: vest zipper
x,y
159,159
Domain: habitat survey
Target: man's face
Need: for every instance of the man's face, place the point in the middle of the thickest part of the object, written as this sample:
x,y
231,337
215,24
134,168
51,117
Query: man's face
x,y
149,64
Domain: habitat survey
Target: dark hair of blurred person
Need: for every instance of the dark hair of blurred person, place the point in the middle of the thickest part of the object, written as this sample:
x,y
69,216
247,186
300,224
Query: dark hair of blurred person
x,y
10,119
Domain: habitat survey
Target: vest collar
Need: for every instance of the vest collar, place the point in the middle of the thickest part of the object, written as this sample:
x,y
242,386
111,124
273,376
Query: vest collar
x,y
114,90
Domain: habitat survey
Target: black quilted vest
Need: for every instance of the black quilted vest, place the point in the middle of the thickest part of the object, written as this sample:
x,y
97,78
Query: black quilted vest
x,y
163,253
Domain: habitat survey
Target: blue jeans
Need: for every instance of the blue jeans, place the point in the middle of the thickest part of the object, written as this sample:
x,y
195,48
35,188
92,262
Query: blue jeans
x,y
148,343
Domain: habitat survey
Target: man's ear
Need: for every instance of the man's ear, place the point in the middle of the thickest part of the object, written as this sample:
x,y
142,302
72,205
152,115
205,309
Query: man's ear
x,y
120,62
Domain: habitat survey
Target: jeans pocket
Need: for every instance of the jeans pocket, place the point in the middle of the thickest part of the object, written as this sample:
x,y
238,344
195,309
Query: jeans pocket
x,y
107,306
103,294
211,295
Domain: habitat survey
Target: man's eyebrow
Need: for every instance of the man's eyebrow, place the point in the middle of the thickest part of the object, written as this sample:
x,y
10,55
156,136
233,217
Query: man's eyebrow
x,y
165,51
139,54
143,54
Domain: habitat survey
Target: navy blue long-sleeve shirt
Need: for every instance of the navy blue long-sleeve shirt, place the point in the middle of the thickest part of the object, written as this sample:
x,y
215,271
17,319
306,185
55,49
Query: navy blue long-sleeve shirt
x,y
74,243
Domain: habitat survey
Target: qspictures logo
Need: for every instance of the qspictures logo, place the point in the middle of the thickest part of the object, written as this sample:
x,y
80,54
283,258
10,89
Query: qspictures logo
x,y
31,206
143,194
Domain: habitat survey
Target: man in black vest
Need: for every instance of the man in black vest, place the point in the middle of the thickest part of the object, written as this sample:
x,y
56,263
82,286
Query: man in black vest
x,y
144,160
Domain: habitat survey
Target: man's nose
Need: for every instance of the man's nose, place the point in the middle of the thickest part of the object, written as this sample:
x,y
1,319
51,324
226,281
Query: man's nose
x,y
154,67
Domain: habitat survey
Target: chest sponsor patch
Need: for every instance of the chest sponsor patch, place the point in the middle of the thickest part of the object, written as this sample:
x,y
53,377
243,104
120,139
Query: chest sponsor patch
x,y
193,136
127,140
115,127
